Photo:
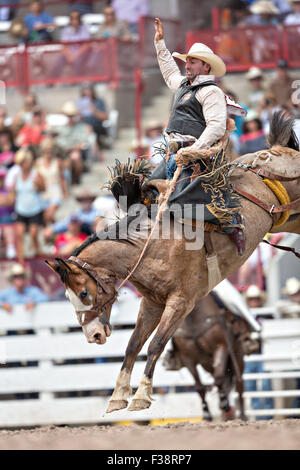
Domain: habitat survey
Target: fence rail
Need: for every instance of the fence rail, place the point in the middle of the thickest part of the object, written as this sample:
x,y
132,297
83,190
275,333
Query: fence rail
x,y
58,385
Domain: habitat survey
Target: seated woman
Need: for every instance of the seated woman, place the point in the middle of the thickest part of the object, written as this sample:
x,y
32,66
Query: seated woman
x,y
52,170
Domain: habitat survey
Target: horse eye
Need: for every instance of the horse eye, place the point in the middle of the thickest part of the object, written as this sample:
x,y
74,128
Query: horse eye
x,y
83,294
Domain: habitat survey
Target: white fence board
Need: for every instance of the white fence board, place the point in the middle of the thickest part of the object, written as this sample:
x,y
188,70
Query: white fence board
x,y
62,314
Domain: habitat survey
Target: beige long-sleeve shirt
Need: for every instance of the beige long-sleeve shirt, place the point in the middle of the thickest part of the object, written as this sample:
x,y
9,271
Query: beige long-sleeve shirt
x,y
211,98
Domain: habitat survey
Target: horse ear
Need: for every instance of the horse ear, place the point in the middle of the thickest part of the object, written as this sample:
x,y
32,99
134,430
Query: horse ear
x,y
63,264
52,265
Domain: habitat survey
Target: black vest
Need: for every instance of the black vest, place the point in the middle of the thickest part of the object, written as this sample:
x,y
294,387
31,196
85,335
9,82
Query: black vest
x,y
187,115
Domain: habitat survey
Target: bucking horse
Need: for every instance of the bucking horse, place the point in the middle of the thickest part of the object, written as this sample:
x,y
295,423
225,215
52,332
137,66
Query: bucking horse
x,y
170,277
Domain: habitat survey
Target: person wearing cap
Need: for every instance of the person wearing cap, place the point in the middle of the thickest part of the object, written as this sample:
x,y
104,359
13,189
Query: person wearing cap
x,y
264,13
255,79
198,119
76,139
87,214
20,292
282,86
294,17
290,307
253,137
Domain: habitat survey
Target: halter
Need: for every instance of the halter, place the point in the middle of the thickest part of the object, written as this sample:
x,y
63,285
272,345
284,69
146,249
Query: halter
x,y
85,317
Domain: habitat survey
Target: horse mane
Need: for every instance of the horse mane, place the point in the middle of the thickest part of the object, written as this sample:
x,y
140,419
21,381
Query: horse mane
x,y
111,232
282,132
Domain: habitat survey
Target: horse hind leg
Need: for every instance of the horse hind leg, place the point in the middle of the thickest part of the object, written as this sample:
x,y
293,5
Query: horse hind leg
x,y
221,357
201,390
148,318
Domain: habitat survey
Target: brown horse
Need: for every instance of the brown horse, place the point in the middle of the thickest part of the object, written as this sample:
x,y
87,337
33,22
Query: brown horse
x,y
170,277
216,339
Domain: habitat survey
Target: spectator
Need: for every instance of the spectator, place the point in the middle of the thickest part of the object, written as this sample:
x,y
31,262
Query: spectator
x,y
20,292
281,87
7,148
131,12
74,55
7,12
32,134
87,214
267,108
76,139
264,13
24,116
253,137
112,28
256,298
154,137
255,78
93,112
38,22
18,31
29,204
3,119
290,308
7,216
51,169
294,17
66,242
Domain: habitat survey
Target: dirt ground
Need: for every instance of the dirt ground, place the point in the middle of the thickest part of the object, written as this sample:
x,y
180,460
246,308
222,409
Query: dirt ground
x,y
274,434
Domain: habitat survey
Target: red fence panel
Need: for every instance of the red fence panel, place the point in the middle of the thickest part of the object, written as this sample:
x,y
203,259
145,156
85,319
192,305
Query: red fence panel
x,y
241,48
49,64
291,45
12,65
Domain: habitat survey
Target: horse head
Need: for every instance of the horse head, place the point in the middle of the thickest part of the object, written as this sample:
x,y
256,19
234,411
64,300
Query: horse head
x,y
92,293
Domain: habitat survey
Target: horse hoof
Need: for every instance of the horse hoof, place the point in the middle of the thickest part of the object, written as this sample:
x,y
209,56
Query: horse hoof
x,y
115,405
230,414
138,404
207,417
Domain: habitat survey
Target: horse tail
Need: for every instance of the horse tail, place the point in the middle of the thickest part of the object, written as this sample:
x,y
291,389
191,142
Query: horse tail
x,y
282,132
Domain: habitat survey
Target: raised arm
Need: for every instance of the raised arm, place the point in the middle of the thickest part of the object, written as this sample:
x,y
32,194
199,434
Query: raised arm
x,y
168,67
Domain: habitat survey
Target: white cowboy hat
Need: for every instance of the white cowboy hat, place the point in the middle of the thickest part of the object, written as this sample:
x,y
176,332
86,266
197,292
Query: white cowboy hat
x,y
253,292
202,52
251,115
69,109
292,286
16,270
254,72
264,7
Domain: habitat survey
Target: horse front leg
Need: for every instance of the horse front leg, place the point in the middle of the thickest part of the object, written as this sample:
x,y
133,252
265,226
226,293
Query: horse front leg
x,y
176,310
148,318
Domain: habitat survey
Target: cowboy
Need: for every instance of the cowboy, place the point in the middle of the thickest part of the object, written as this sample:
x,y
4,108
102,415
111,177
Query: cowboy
x,y
199,113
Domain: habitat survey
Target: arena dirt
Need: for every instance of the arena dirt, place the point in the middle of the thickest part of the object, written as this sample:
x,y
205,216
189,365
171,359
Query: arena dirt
x,y
274,434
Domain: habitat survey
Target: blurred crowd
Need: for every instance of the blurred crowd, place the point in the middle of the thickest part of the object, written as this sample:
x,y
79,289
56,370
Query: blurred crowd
x,y
40,165
38,25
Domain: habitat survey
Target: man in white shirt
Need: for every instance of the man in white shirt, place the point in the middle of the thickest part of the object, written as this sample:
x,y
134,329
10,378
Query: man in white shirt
x,y
198,116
